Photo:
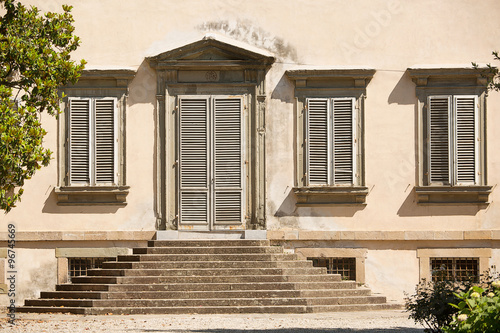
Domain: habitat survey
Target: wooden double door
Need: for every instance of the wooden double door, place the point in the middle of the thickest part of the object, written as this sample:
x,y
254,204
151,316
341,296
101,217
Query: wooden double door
x,y
210,162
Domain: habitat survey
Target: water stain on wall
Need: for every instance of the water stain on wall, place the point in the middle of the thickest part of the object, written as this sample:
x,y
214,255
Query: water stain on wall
x,y
246,32
45,277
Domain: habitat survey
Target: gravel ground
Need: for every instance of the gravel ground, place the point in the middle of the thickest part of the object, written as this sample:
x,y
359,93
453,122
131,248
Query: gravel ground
x,y
389,321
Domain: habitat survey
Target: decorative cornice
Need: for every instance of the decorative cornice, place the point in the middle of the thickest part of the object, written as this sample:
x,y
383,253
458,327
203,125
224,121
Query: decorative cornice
x,y
358,77
415,235
111,79
89,235
420,75
330,195
457,195
116,74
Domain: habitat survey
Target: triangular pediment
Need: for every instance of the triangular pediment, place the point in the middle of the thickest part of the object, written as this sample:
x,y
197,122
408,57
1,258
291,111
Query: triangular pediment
x,y
213,50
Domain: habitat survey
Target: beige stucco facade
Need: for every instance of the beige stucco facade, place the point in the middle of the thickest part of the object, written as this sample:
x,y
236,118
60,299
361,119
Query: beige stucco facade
x,y
388,229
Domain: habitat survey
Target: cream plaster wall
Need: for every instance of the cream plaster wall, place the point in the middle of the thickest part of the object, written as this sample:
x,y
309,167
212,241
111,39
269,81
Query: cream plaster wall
x,y
36,271
392,273
386,35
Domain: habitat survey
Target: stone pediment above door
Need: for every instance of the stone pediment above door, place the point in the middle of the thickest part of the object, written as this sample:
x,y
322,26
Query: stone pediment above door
x,y
213,52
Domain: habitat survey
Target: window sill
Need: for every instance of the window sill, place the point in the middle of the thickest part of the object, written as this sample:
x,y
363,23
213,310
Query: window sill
x,y
352,195
91,195
453,194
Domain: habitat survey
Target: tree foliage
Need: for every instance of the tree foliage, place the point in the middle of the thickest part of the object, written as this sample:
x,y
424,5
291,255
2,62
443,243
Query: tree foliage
x,y
34,61
493,73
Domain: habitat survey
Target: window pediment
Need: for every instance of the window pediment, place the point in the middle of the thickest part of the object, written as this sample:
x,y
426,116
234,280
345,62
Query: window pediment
x,y
213,52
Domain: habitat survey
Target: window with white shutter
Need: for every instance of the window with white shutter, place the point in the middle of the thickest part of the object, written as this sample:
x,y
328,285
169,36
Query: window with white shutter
x,y
331,141
92,141
451,123
453,140
210,167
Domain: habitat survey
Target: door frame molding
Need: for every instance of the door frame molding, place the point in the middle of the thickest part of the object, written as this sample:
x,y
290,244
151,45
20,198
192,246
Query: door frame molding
x,y
212,189
229,70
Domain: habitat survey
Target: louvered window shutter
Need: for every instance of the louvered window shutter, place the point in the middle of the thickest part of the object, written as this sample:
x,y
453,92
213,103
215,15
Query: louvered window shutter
x,y
318,143
227,160
344,141
465,139
79,141
193,160
105,142
439,139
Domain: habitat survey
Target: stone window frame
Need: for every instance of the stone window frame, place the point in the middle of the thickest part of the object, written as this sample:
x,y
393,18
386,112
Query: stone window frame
x,y
110,83
329,83
449,81
425,254
210,67
64,253
358,253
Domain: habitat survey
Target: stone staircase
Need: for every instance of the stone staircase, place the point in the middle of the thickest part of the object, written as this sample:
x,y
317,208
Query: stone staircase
x,y
207,276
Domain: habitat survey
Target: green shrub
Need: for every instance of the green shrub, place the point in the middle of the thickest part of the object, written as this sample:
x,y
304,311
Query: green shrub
x,y
478,311
430,305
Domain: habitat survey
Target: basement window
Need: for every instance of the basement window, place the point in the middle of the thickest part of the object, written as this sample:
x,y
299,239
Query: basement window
x,y
346,267
455,269
79,266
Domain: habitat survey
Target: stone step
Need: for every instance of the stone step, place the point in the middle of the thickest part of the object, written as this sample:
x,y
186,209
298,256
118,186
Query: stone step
x,y
204,279
212,310
206,264
208,243
206,272
207,257
82,287
72,294
204,294
166,310
188,287
208,250
354,307
207,276
50,309
201,302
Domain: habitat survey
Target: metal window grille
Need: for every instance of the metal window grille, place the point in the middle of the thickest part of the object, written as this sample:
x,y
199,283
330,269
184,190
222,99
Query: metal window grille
x,y
79,266
455,269
346,267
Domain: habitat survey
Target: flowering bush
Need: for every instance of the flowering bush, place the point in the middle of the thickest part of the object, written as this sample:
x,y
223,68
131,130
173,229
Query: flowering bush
x,y
477,313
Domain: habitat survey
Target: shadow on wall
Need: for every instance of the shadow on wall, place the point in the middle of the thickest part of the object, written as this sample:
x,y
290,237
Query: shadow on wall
x,y
411,208
142,89
404,91
51,207
284,90
289,208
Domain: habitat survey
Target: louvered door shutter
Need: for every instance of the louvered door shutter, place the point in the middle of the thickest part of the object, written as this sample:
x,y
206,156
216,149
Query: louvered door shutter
x,y
439,139
343,141
228,162
79,141
465,140
105,142
317,129
193,162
